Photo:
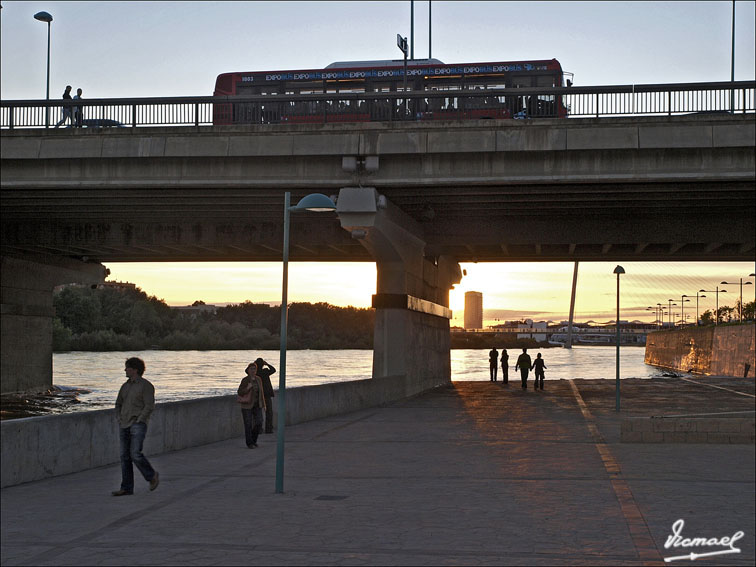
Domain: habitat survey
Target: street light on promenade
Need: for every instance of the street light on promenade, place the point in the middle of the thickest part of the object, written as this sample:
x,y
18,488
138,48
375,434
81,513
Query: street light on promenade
x,y
682,308
46,17
717,291
656,314
697,296
618,270
314,202
740,310
661,315
669,313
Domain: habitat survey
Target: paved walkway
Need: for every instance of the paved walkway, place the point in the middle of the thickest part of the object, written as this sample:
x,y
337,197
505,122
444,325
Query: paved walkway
x,y
473,474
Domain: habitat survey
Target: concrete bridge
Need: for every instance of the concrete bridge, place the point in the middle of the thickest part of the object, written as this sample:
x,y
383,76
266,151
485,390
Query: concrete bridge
x,y
416,198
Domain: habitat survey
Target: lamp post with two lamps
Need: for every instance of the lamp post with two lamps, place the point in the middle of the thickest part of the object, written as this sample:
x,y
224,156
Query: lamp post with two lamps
x,y
697,297
740,310
669,312
682,308
46,17
316,202
618,270
717,291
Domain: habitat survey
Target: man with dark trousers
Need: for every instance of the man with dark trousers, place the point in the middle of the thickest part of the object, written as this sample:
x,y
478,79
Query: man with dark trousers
x,y
264,370
523,363
493,362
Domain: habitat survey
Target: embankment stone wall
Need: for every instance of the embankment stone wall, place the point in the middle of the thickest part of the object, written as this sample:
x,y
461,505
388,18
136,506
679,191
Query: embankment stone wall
x,y
724,350
39,447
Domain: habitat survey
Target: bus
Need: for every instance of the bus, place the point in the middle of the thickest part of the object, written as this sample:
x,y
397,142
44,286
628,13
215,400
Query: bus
x,y
432,90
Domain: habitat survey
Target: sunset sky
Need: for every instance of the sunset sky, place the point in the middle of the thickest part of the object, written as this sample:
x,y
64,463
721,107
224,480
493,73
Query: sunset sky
x,y
142,49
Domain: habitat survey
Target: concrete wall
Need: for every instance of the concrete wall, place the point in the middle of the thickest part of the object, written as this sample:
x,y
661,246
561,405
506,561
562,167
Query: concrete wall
x,y
724,350
39,447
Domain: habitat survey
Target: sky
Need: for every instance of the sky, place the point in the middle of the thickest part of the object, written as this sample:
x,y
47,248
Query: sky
x,y
144,49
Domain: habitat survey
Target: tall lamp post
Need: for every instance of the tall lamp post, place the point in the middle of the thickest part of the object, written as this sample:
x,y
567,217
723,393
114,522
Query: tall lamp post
x,y
740,310
697,296
669,312
661,315
717,291
314,202
618,270
682,308
46,17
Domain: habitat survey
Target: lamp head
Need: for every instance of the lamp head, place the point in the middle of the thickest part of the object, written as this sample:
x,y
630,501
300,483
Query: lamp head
x,y
619,270
43,17
316,202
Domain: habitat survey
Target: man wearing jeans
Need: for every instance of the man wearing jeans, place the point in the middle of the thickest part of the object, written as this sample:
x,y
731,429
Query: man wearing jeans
x,y
134,404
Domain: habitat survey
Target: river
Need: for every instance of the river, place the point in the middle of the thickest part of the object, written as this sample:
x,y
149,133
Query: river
x,y
182,375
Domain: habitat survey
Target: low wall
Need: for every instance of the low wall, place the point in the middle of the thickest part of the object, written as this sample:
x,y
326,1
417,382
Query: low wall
x,y
724,350
39,447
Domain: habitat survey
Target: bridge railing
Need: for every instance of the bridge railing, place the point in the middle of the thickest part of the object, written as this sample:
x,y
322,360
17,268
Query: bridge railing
x,y
526,103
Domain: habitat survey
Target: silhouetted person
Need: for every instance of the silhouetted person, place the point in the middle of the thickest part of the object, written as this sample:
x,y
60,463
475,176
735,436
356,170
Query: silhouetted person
x,y
78,111
504,366
523,363
66,109
134,405
252,402
493,362
539,366
264,374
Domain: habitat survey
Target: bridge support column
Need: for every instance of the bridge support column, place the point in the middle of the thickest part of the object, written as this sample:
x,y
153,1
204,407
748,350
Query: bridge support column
x,y
26,315
411,335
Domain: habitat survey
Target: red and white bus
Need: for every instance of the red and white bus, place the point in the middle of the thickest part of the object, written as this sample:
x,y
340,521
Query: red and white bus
x,y
429,78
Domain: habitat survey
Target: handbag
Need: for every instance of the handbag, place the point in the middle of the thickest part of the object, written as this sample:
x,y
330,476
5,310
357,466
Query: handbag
x,y
245,398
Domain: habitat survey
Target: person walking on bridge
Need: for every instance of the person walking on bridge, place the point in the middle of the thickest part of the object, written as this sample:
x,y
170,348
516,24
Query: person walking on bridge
x,y
539,365
66,108
134,405
493,362
251,398
523,363
504,366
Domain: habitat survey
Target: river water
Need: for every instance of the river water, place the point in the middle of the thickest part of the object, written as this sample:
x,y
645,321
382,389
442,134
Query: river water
x,y
182,375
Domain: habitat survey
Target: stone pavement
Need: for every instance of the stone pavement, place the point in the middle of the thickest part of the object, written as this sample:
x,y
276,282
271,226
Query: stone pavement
x,y
476,473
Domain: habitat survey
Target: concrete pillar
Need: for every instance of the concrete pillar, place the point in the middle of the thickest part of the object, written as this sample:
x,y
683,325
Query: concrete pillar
x,y
412,297
26,314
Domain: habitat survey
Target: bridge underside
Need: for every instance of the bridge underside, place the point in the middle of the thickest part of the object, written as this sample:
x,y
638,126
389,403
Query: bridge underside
x,y
670,221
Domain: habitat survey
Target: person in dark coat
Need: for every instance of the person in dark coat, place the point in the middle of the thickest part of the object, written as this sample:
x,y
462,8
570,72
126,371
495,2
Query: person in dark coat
x,y
539,366
523,363
67,110
264,371
493,362
504,366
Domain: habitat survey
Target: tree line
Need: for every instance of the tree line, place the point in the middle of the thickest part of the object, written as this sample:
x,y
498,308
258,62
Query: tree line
x,y
115,319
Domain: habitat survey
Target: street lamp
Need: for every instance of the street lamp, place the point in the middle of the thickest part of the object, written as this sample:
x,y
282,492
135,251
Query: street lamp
x,y
740,310
669,312
697,296
661,315
46,17
717,291
618,270
314,202
682,308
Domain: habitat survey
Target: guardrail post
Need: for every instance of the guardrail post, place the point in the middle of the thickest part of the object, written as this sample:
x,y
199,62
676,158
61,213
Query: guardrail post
x,y
133,115
597,105
669,103
196,114
10,118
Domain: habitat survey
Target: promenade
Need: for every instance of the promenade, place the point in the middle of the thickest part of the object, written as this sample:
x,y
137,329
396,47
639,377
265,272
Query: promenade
x,y
477,473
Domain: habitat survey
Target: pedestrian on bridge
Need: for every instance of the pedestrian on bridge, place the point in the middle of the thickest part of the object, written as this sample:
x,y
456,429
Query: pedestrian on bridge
x,y
493,362
523,364
66,109
504,366
134,405
78,111
539,365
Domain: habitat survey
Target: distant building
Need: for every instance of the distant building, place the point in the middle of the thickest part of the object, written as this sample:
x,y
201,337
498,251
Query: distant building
x,y
473,310
192,311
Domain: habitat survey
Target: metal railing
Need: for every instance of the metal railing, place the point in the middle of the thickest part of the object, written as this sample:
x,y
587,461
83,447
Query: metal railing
x,y
525,103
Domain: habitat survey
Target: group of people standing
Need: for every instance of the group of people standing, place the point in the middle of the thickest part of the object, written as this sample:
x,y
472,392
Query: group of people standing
x,y
74,114
255,395
524,364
